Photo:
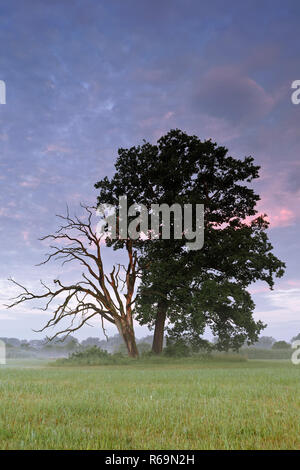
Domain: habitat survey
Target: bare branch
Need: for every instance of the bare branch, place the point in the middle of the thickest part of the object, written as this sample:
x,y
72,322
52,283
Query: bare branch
x,y
95,294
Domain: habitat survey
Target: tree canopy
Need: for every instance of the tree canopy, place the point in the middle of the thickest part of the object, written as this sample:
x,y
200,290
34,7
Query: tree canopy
x,y
195,289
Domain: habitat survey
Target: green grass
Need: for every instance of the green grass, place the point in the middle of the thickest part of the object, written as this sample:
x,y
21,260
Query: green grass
x,y
174,404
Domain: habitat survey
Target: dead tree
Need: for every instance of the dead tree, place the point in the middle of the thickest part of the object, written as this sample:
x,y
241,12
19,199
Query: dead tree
x,y
109,296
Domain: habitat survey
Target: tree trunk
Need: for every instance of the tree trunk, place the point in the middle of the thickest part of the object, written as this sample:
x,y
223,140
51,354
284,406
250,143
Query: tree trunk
x,y
158,339
131,344
127,333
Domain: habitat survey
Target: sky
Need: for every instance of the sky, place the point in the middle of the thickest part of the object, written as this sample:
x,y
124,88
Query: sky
x,y
85,77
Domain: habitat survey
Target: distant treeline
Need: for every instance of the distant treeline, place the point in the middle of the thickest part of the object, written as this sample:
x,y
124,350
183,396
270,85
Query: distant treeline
x,y
266,347
62,348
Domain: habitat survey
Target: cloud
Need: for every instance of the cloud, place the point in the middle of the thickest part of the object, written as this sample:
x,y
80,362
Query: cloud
x,y
280,309
53,148
8,291
285,300
30,182
6,316
225,93
294,282
25,235
258,289
8,213
281,205
293,179
282,218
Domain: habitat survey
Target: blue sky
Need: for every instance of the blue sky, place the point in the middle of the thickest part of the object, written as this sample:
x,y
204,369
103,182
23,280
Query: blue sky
x,y
86,77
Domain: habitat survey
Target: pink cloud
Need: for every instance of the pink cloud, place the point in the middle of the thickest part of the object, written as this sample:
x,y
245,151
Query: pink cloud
x,y
30,183
169,114
9,213
281,206
282,218
25,235
258,289
277,217
57,148
294,282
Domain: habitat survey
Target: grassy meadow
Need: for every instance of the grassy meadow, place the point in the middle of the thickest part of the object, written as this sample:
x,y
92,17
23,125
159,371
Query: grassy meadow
x,y
154,404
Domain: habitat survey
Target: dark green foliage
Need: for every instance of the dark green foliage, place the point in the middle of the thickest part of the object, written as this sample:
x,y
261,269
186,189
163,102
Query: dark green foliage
x,y
92,356
185,346
91,352
177,348
281,345
205,287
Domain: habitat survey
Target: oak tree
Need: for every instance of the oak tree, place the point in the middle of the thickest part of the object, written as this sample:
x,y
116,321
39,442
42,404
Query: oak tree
x,y
195,289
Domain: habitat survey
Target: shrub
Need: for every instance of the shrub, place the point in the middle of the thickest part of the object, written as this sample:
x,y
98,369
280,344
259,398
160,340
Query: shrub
x,y
92,356
177,348
90,352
